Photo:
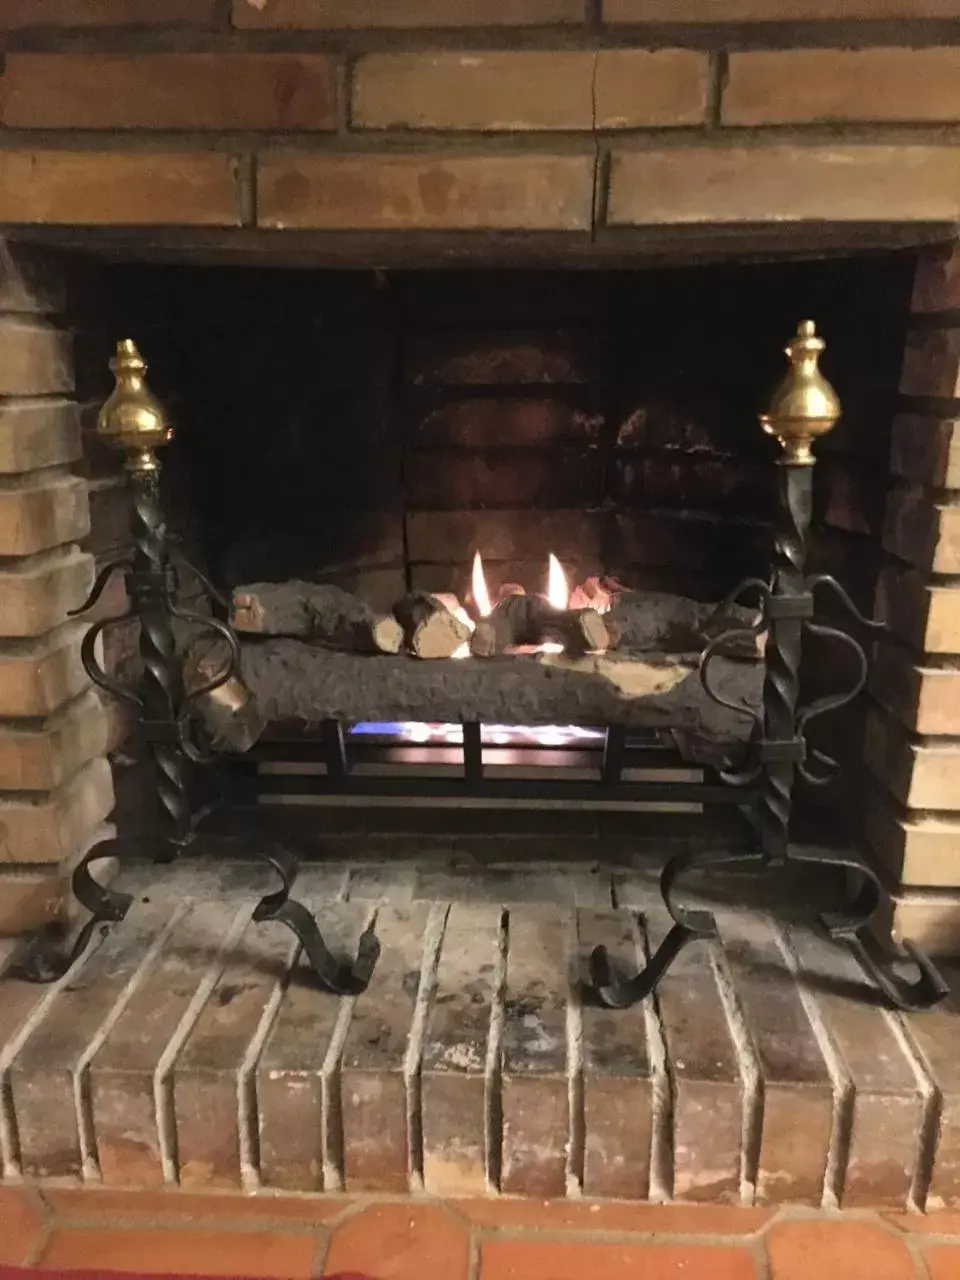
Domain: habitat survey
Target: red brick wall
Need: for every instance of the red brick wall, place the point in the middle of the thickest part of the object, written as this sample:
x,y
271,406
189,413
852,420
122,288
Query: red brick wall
x,y
448,115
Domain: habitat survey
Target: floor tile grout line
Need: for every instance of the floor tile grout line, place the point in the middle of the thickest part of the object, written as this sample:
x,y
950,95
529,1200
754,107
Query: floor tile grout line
x,y
476,1254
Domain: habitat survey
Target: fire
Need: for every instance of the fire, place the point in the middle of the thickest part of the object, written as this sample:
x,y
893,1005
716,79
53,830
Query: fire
x,y
478,586
558,590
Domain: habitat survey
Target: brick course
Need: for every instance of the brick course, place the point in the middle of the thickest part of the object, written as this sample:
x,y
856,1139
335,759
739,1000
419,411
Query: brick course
x,y
495,91
34,357
799,86
42,756
169,91
38,676
37,592
772,10
47,827
530,193
779,183
337,14
926,615
102,13
41,512
117,188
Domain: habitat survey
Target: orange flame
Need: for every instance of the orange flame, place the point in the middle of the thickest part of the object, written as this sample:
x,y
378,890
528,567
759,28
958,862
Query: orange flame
x,y
478,587
558,590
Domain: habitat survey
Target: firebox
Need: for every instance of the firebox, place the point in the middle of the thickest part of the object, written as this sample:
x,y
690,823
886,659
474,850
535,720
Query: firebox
x,y
488,541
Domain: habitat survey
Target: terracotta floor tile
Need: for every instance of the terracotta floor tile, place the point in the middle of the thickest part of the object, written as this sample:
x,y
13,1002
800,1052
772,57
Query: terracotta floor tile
x,y
157,1251
943,1261
401,1242
20,1226
581,1215
89,1204
577,1260
823,1248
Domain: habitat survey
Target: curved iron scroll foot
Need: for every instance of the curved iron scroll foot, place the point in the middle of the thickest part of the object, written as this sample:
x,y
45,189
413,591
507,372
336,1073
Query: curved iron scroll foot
x,y
341,977
46,956
617,989
851,925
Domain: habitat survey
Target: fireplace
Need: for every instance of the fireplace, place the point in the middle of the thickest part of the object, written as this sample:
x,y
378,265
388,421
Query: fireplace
x,y
415,289
412,435
370,469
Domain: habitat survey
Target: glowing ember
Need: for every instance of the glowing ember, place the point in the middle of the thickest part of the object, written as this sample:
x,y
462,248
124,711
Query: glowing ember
x,y
595,593
558,591
478,586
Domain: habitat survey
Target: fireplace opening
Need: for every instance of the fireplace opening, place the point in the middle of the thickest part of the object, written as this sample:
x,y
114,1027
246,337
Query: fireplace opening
x,y
542,447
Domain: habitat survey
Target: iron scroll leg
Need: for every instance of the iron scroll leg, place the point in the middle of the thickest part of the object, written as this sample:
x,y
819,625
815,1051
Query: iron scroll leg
x,y
804,407
133,420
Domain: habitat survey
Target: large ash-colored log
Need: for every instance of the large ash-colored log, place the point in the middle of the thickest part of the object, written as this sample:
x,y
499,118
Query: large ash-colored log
x,y
297,683
320,612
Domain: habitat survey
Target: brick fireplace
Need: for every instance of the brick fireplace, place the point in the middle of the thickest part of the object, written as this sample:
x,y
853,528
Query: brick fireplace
x,y
596,168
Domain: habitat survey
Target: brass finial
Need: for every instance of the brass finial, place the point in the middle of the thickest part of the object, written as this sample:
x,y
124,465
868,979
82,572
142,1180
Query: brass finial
x,y
132,418
804,405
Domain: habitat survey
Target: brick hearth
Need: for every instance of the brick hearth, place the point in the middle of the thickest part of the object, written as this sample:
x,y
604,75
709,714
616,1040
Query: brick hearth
x,y
189,1048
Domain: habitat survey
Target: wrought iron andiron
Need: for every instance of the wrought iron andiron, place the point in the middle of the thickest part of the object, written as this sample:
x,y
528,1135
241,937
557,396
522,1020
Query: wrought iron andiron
x,y
132,420
804,407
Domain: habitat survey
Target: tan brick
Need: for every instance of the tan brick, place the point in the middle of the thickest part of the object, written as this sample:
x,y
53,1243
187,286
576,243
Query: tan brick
x,y
38,676
111,512
772,10
797,1089
32,897
535,1092
454,1083
920,529
921,850
783,183
169,91
149,188
31,281
35,358
926,699
49,826
926,450
799,86
936,285
37,593
519,192
373,1078
919,776
404,13
42,756
931,363
615,89
930,921
924,614
38,433
618,1075
40,513
104,13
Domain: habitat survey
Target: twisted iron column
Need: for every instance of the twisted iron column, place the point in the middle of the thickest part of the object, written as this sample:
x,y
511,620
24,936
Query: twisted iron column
x,y
132,418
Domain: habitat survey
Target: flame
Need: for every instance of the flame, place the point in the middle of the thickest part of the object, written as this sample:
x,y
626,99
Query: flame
x,y
478,586
558,591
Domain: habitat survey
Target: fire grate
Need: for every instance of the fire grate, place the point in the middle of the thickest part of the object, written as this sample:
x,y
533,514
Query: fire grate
x,y
340,763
